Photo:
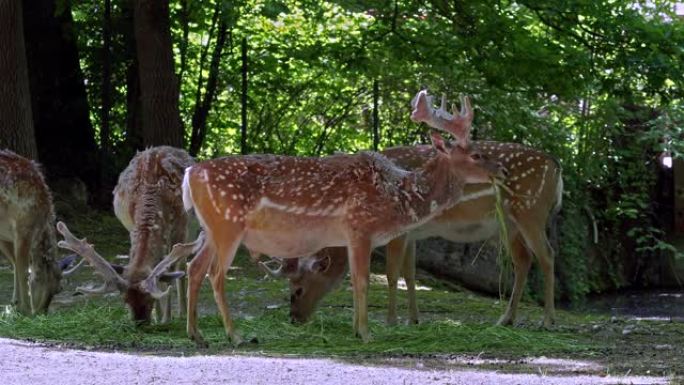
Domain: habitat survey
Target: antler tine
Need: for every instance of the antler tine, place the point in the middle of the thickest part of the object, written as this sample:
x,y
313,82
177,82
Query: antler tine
x,y
69,272
178,252
442,112
104,289
277,273
465,118
82,248
457,125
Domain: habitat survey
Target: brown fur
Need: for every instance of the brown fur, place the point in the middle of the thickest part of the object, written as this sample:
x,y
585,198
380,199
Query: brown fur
x,y
531,198
292,207
27,235
147,201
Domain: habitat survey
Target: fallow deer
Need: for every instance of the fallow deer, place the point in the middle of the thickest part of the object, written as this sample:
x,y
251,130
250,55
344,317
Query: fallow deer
x,y
147,201
531,194
27,235
295,206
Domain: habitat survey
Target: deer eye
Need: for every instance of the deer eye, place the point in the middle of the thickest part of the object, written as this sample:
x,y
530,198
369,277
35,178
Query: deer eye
x,y
476,156
298,292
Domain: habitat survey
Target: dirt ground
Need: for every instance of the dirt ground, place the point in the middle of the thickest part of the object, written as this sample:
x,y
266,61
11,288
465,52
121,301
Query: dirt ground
x,y
31,363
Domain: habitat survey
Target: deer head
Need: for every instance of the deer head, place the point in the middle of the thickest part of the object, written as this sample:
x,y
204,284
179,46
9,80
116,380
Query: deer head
x,y
26,226
310,278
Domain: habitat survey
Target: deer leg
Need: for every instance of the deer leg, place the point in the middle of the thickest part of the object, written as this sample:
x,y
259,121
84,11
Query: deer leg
x,y
539,244
521,266
197,269
165,304
359,263
6,249
181,288
217,276
181,235
393,262
21,267
409,273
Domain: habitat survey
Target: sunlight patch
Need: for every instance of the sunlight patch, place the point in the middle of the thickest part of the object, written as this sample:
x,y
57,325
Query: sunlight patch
x,y
381,279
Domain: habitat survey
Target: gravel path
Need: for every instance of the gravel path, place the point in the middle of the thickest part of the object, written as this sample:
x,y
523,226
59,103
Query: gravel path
x,y
35,364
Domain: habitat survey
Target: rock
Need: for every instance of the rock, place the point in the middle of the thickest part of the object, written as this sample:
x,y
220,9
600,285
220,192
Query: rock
x,y
474,265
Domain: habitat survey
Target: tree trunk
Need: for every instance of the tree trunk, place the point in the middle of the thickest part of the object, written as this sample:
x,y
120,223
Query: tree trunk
x,y
16,121
64,134
203,104
106,79
158,83
134,130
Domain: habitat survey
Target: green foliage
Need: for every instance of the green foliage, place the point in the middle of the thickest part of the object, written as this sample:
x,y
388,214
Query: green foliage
x,y
597,84
576,267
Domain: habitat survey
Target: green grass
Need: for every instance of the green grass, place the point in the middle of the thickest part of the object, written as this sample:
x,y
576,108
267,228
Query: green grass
x,y
453,321
108,326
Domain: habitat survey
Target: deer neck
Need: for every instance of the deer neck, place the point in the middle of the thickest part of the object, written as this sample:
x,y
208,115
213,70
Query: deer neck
x,y
437,186
147,237
44,248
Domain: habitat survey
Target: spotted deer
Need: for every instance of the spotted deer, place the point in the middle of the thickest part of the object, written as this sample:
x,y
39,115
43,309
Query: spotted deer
x,y
295,206
147,201
531,194
27,235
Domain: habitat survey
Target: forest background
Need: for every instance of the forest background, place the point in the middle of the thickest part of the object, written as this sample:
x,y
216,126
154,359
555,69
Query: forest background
x,y
597,84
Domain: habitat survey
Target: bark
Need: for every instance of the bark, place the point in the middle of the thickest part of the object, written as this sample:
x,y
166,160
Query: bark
x,y
64,133
158,82
106,79
107,173
185,25
134,126
16,121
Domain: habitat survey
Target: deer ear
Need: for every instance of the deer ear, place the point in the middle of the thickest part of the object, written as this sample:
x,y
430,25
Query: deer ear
x,y
438,142
321,265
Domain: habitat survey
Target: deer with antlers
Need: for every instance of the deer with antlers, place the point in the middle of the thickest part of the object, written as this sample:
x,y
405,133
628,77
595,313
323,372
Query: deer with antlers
x,y
147,201
295,206
531,194
27,235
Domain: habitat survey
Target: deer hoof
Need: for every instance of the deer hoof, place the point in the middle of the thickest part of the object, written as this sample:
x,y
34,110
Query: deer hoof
x,y
199,341
236,340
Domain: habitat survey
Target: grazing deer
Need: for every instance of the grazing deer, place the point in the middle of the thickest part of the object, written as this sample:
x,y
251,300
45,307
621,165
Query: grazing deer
x,y
27,235
295,206
531,194
147,201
